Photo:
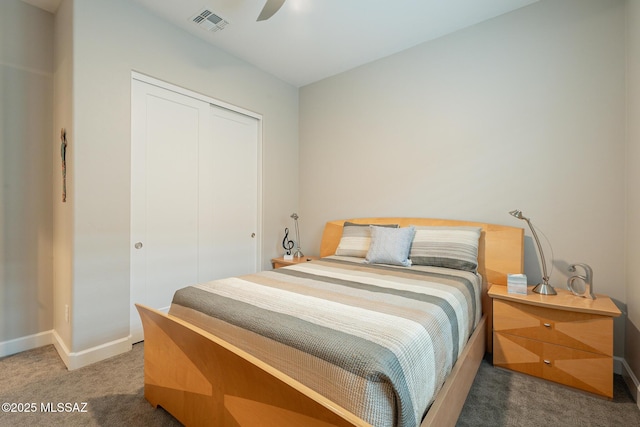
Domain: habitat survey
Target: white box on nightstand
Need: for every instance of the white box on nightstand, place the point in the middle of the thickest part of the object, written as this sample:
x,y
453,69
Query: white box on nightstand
x,y
517,284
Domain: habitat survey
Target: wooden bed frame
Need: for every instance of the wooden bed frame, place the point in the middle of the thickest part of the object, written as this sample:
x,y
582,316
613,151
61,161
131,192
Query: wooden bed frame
x,y
203,380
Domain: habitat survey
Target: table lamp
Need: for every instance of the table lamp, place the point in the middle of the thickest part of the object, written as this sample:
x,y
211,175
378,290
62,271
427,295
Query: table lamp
x,y
543,288
298,252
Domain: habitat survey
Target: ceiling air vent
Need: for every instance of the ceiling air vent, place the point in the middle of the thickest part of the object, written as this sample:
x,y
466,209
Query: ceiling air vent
x,y
209,20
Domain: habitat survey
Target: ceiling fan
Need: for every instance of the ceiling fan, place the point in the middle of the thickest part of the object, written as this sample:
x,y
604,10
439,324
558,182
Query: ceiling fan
x,y
269,9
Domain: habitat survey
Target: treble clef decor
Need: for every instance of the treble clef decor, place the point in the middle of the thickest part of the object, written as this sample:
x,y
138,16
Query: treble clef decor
x,y
286,243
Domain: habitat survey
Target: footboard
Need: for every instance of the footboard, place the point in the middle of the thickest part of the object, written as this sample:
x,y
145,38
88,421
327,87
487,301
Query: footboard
x,y
203,380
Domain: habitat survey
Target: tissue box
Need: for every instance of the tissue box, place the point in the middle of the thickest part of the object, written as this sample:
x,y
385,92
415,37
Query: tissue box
x,y
517,284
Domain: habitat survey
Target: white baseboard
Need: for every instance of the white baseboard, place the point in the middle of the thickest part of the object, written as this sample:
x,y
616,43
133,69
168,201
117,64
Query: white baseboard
x,y
71,360
75,360
632,382
29,342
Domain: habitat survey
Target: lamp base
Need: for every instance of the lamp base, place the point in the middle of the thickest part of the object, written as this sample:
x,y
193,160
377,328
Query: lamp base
x,y
298,253
544,289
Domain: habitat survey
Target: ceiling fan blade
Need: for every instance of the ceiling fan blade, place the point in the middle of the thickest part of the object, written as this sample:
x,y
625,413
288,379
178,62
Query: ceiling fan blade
x,y
271,7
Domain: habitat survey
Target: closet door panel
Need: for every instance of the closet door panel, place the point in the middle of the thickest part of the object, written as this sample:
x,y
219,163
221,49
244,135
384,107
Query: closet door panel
x,y
166,131
230,169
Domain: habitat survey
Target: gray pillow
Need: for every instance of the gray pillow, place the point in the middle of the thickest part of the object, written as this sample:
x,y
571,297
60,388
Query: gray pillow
x,y
450,247
356,239
390,245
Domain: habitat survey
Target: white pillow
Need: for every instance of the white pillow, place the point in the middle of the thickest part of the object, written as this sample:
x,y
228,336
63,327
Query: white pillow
x,y
390,245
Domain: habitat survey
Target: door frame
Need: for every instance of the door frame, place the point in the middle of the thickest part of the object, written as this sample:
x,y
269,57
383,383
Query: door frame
x,y
210,100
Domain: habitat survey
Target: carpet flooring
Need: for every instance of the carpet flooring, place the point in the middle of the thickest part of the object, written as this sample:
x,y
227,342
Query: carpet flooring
x,y
499,397
110,393
112,390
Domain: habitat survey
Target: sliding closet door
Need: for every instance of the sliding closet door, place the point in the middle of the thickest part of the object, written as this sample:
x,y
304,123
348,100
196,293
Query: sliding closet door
x,y
194,195
229,212
166,132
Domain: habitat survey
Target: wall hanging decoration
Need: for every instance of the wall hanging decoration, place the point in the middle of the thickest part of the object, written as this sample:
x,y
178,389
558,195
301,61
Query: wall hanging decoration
x,y
63,155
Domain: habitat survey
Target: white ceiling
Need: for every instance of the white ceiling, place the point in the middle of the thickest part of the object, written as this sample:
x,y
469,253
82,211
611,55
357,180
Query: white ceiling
x,y
308,40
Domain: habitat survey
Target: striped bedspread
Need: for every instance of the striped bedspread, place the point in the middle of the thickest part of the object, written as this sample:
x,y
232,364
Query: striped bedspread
x,y
376,339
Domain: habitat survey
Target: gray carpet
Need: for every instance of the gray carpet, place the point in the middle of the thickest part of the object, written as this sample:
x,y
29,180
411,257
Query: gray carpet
x,y
112,390
113,393
503,398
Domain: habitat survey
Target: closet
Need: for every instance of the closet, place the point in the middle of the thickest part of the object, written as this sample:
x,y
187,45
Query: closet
x,y
195,199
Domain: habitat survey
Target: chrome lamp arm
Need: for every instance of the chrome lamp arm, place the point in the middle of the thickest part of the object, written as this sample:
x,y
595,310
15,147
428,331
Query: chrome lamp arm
x,y
541,288
298,253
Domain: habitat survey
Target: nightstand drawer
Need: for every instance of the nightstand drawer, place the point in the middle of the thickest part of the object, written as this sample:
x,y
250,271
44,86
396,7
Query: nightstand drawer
x,y
581,331
587,371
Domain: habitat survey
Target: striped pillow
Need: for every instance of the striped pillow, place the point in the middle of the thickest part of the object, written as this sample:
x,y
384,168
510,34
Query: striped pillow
x,y
356,239
450,247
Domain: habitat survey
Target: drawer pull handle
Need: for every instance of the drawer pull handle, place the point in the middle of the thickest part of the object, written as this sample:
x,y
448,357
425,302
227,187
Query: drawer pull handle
x,y
547,362
547,325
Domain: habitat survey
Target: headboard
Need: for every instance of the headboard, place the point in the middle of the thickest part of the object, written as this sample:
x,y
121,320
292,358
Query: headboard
x,y
500,251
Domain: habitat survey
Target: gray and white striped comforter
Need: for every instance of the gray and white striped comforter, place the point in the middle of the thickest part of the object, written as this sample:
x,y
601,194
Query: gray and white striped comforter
x,y
378,340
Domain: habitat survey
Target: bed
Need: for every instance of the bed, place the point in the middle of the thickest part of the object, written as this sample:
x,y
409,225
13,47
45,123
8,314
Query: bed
x,y
354,326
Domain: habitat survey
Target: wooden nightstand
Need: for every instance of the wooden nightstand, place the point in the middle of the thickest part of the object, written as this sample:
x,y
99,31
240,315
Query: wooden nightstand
x,y
281,262
561,338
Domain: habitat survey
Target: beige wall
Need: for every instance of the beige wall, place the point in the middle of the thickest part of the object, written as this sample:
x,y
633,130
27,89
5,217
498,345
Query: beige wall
x,y
632,347
26,86
110,39
63,212
523,111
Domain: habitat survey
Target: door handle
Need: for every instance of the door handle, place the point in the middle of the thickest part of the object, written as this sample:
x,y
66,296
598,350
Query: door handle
x,y
138,245
253,235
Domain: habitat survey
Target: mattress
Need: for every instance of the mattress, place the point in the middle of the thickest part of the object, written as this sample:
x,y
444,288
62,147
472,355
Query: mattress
x,y
378,340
